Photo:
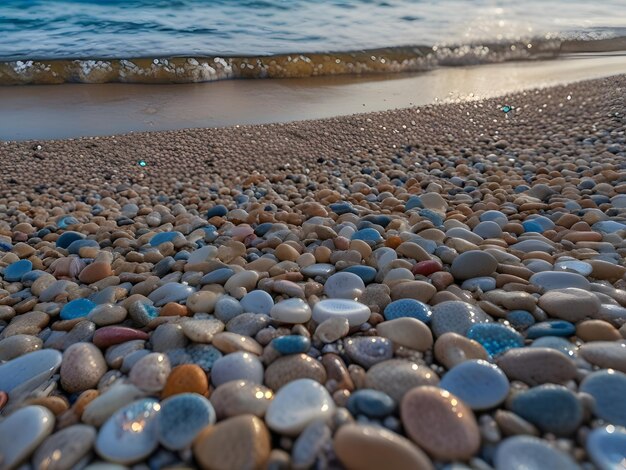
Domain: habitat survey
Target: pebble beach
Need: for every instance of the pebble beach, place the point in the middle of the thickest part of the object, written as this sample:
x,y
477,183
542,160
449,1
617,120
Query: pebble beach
x,y
441,287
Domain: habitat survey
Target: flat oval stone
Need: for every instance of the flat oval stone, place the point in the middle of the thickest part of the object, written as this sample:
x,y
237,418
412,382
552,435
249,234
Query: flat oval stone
x,y
298,404
551,328
440,423
408,332
408,308
478,383
473,264
181,419
366,273
15,271
67,238
219,276
552,408
164,237
170,292
558,344
150,373
64,449
607,447
291,311
242,442
495,337
531,453
202,331
356,313
570,304
344,285
22,432
257,301
536,366
366,447
110,335
18,345
237,366
186,378
396,377
130,435
456,316
550,280
318,269
368,350
452,349
292,367
77,308
607,387
371,403
291,344
240,397
82,368
581,267
605,354
103,406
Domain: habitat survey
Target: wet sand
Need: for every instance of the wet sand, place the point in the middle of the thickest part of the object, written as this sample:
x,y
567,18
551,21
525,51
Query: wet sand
x,y
64,111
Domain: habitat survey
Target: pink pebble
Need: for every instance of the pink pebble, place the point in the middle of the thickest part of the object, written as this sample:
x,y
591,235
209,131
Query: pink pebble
x,y
425,268
110,335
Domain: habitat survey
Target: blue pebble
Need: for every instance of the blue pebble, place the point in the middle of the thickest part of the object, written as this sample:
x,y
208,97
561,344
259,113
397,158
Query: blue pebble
x,y
366,273
181,255
219,276
495,337
203,355
31,276
608,389
77,308
607,447
408,308
210,233
263,228
181,419
369,235
382,220
5,246
556,342
493,216
371,403
227,308
532,226
552,408
66,239
608,226
484,283
436,218
76,245
65,221
341,208
413,203
163,237
520,319
291,344
164,266
217,211
479,384
15,271
551,328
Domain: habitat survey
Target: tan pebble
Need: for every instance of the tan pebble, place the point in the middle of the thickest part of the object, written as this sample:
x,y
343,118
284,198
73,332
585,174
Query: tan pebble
x,y
82,368
55,404
95,272
83,400
18,345
295,366
22,250
202,301
202,331
332,329
606,271
231,342
452,349
186,378
6,313
107,314
536,366
305,259
418,290
365,447
30,323
440,423
362,247
322,254
570,304
605,354
441,279
245,280
511,424
337,371
242,442
239,397
261,265
285,252
150,373
597,330
413,251
172,309
407,332
396,377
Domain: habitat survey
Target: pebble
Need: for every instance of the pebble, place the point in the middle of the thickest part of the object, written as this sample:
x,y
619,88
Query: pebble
x,y
607,388
237,366
552,408
65,449
456,316
356,313
186,378
605,354
241,442
558,344
332,329
452,349
551,280
18,345
495,337
408,308
77,308
202,331
440,423
472,264
570,304
181,419
15,271
257,301
131,433
310,444
291,344
119,395
292,367
22,432
298,404
396,377
367,447
479,384
551,328
82,368
368,350
536,366
150,373
291,311
240,397
371,403
607,447
344,285
408,332
531,453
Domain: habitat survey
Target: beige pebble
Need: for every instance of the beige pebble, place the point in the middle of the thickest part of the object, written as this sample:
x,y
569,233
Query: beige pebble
x,y
150,373
605,354
440,423
396,377
82,368
511,424
536,366
245,280
570,304
332,329
407,332
18,345
606,271
202,331
452,349
231,342
239,397
597,330
295,366
365,447
418,290
202,301
95,272
285,252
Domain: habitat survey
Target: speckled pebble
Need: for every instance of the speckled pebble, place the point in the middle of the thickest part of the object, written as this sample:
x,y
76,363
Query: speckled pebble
x,y
408,308
396,377
369,350
495,337
456,317
181,419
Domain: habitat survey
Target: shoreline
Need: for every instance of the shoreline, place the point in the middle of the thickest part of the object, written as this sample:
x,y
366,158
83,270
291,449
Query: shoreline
x,y
70,111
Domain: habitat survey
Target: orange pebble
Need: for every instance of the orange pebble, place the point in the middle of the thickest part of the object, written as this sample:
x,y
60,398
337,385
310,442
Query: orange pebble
x,y
393,242
83,400
186,378
173,309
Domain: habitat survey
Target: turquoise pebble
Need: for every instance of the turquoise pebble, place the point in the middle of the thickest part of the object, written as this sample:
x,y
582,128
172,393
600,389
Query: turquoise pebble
x,y
371,403
219,276
556,342
217,211
520,319
607,447
77,308
368,235
15,271
608,388
181,419
163,237
413,202
495,337
65,221
551,328
479,384
552,408
67,238
291,344
366,273
408,308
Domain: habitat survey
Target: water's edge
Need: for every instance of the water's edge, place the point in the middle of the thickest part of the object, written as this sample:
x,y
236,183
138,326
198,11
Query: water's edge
x,y
160,70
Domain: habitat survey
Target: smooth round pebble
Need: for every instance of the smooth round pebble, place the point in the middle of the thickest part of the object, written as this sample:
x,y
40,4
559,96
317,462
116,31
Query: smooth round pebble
x,y
186,378
356,313
480,384
344,285
237,366
82,368
396,377
408,332
536,366
368,350
371,403
257,301
22,432
456,316
473,264
240,397
181,419
291,344
452,349
607,447
408,308
65,448
551,328
150,373
608,389
531,453
291,311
